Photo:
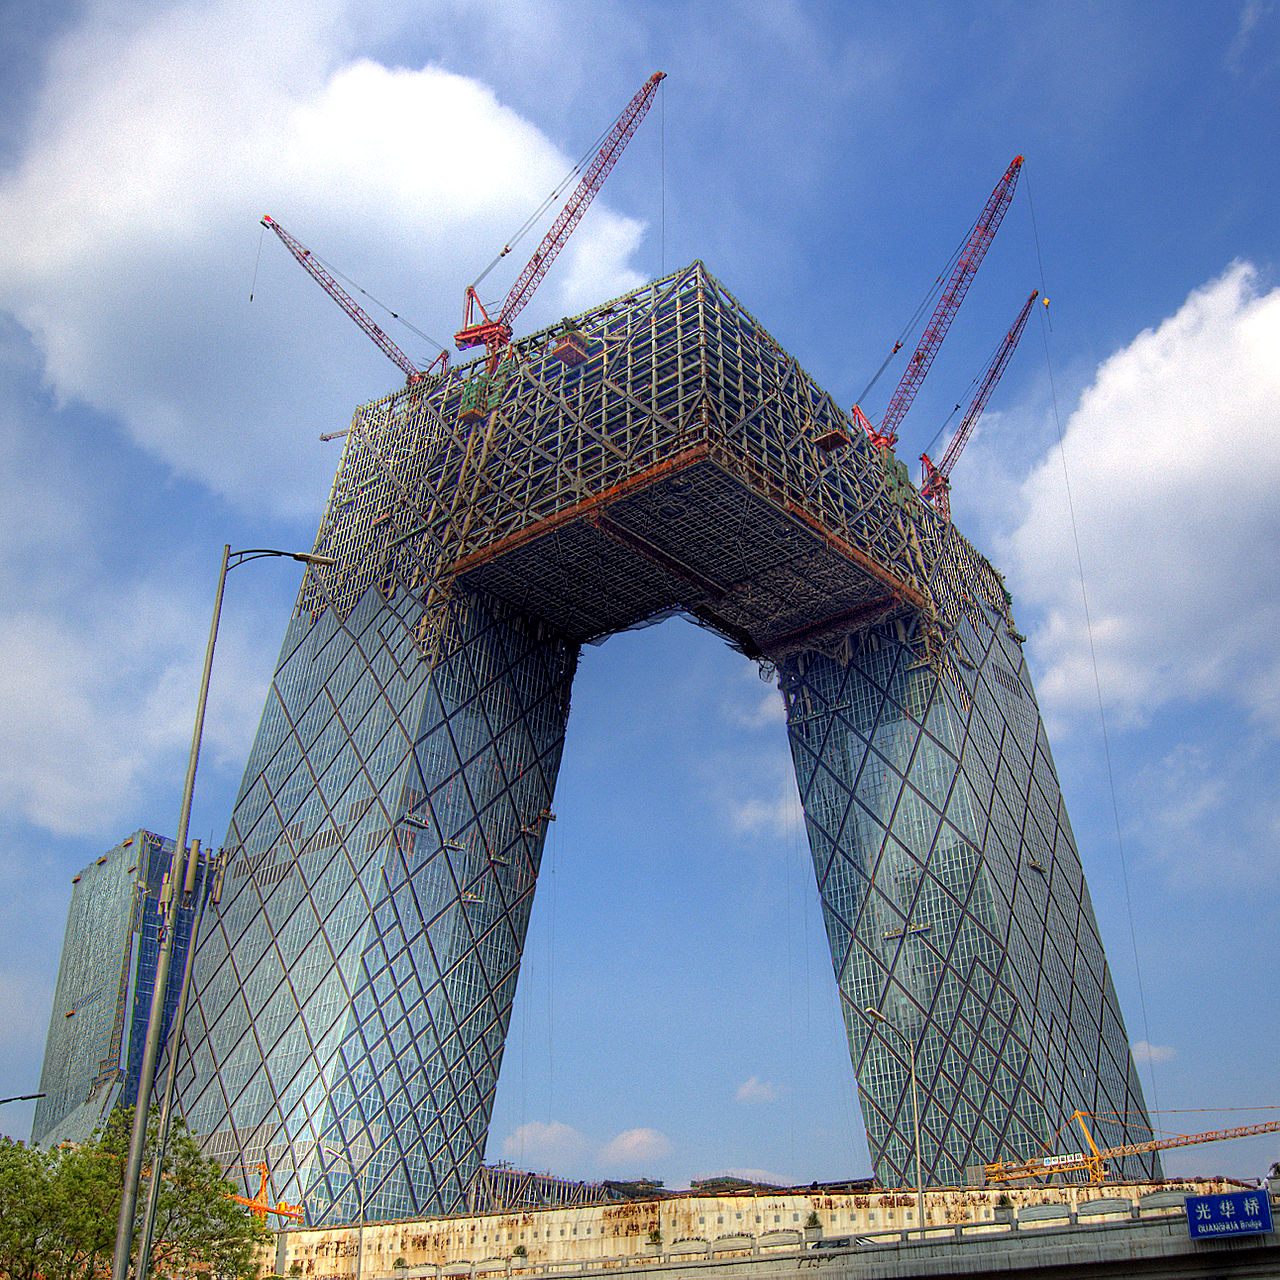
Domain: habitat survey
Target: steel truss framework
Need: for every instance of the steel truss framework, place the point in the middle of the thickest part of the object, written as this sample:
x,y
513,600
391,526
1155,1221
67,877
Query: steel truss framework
x,y
353,993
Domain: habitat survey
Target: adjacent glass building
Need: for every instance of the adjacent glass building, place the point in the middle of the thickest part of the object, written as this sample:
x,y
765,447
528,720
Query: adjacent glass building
x,y
354,985
106,978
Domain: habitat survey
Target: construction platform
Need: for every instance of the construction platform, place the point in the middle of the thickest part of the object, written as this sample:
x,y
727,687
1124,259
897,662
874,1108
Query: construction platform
x,y
671,458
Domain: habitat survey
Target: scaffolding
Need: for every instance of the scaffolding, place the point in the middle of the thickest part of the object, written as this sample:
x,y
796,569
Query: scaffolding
x,y
660,452
501,1188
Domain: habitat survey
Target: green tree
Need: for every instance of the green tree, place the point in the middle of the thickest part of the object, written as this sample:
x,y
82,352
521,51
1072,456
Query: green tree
x,y
85,1184
198,1225
58,1210
28,1212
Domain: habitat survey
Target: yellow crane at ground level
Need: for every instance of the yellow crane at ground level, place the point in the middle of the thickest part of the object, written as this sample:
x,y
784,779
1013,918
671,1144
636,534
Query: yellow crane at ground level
x,y
261,1206
1094,1159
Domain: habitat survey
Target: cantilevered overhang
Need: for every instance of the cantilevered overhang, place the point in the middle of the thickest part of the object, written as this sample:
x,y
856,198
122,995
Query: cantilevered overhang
x,y
687,534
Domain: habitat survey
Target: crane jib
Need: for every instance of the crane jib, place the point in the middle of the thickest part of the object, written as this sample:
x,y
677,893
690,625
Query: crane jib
x,y
479,328
953,295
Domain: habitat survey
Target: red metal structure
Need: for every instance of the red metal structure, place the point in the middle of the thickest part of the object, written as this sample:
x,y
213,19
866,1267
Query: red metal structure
x,y
935,485
886,435
327,282
479,328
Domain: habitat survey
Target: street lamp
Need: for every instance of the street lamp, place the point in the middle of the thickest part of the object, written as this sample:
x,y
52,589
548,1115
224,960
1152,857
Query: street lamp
x,y
21,1097
878,1018
155,1020
355,1177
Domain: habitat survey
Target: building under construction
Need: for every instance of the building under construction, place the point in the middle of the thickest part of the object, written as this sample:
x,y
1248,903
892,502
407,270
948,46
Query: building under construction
x,y
659,454
106,976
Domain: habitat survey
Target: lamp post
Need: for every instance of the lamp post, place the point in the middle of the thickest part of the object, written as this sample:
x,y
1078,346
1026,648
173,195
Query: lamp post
x,y
355,1177
148,1228
879,1019
155,1020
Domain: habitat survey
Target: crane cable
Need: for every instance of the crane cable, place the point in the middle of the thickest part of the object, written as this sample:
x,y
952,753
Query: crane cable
x,y
253,288
973,383
662,170
913,321
528,224
395,315
359,288
1093,658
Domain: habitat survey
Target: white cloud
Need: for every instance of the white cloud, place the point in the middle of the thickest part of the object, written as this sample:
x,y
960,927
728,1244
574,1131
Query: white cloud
x,y
93,703
1172,454
555,1146
755,1091
751,703
634,1148
99,661
763,807
1250,13
1152,1053
566,1150
1206,812
158,141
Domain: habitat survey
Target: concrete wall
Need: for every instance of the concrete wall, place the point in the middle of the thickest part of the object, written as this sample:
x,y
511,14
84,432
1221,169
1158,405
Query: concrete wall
x,y
693,1226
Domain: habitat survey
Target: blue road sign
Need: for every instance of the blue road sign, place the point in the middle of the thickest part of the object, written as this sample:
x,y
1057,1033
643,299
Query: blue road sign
x,y
1237,1213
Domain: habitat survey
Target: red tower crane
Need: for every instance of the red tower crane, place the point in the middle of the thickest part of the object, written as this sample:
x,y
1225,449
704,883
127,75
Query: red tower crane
x,y
975,248
935,485
479,328
327,282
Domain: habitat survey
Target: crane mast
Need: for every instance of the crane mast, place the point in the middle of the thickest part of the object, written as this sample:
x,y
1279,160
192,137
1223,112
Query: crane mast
x,y
935,486
886,435
479,329
331,286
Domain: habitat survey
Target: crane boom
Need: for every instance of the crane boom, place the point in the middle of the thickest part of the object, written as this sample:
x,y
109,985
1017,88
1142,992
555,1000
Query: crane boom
x,y
327,282
936,484
1094,1160
494,334
967,264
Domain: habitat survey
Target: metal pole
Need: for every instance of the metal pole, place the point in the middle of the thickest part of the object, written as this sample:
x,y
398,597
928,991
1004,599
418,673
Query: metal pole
x,y
175,1041
915,1115
151,1049
359,1227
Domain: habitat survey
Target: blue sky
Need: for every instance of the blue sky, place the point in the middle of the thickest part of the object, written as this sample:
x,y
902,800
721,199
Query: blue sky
x,y
676,1015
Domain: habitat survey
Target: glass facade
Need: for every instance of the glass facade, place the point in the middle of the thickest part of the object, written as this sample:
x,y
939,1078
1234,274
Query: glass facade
x,y
106,978
353,986
955,904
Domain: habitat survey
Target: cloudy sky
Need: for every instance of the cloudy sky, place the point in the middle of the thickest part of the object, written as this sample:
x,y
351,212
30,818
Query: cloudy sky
x,y
676,1016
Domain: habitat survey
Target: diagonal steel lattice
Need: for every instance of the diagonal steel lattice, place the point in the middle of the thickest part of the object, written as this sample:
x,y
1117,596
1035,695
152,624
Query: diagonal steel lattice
x,y
659,453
